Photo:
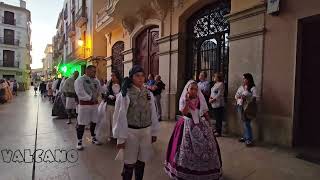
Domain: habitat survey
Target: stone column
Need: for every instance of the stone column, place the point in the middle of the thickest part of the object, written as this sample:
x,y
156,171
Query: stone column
x,y
109,66
246,56
168,70
127,61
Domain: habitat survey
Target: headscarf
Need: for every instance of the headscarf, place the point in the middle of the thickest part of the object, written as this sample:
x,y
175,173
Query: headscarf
x,y
203,105
127,82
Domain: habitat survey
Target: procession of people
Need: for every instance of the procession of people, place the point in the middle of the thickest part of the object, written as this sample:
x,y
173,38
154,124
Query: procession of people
x,y
127,112
8,89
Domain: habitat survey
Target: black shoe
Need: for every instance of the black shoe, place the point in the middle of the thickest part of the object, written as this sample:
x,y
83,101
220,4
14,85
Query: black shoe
x,y
127,172
95,141
249,143
242,140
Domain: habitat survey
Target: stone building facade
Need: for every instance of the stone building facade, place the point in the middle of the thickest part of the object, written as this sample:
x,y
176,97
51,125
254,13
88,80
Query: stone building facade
x,y
15,44
178,38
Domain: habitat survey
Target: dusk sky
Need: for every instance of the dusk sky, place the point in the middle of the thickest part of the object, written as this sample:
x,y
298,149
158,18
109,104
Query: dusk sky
x,y
44,16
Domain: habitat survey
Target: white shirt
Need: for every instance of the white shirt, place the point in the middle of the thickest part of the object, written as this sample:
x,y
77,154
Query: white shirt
x,y
204,86
243,92
81,92
217,93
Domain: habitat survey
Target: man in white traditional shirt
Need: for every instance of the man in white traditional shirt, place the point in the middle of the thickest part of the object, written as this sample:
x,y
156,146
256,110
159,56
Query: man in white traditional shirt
x,y
88,90
71,96
137,124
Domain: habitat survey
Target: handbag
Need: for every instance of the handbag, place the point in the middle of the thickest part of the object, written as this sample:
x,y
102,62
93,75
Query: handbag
x,y
250,109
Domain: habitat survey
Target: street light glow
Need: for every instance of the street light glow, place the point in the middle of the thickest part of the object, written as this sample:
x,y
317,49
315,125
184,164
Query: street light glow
x,y
80,42
64,69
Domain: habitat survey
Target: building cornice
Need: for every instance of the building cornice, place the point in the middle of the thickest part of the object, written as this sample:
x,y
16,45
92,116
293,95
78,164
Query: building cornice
x,y
248,34
253,11
2,4
167,38
128,51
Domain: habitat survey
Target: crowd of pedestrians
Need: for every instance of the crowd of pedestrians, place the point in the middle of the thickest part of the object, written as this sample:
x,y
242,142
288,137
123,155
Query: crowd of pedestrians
x,y
128,111
8,89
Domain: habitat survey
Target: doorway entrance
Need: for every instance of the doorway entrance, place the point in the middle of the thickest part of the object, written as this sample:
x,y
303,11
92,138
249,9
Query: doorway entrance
x,y
207,41
118,57
306,123
147,50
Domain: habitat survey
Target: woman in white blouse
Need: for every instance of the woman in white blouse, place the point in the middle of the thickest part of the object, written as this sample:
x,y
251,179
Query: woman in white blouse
x,y
246,92
217,102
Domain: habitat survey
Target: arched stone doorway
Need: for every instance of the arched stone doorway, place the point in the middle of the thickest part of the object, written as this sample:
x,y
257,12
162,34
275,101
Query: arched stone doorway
x,y
117,57
147,50
207,41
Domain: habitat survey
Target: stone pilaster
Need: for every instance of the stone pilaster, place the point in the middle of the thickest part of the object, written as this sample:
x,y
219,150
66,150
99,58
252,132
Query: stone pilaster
x,y
246,56
127,62
168,70
109,66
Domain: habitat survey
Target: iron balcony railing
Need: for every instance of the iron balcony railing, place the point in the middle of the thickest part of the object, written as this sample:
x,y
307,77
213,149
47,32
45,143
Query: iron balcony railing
x,y
9,41
10,64
73,5
71,29
82,13
65,14
8,21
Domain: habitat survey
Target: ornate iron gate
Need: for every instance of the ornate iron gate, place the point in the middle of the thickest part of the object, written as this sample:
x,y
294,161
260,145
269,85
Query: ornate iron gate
x,y
208,48
117,57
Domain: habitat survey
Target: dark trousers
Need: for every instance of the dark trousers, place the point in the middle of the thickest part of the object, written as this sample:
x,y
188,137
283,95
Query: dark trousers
x,y
138,169
80,130
71,113
218,114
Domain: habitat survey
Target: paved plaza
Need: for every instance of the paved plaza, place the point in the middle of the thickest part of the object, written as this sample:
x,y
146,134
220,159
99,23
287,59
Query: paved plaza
x,y
19,125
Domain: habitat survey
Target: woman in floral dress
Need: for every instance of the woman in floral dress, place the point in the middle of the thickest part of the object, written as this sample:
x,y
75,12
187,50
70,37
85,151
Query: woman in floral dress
x,y
193,151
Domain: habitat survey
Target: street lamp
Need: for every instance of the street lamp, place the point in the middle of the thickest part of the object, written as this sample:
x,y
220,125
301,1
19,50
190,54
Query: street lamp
x,y
80,42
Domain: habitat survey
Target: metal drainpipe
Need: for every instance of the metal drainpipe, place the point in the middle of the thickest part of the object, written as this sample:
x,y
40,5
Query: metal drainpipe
x,y
170,58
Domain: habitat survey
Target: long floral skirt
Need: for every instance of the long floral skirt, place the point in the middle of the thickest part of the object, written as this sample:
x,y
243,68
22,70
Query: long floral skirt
x,y
193,152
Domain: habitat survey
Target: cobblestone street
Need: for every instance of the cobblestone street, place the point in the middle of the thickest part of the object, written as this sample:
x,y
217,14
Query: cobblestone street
x,y
18,132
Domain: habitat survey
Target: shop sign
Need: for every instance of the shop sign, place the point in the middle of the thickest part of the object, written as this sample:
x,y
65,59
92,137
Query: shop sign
x,y
273,7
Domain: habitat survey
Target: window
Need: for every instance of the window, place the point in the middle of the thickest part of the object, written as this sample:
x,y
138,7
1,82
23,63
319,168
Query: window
x,y
8,36
8,18
8,58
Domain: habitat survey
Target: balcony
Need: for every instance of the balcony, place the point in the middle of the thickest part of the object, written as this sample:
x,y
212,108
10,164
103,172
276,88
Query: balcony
x,y
81,17
29,47
73,5
28,67
65,14
9,64
8,21
103,17
9,41
71,29
71,56
62,41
